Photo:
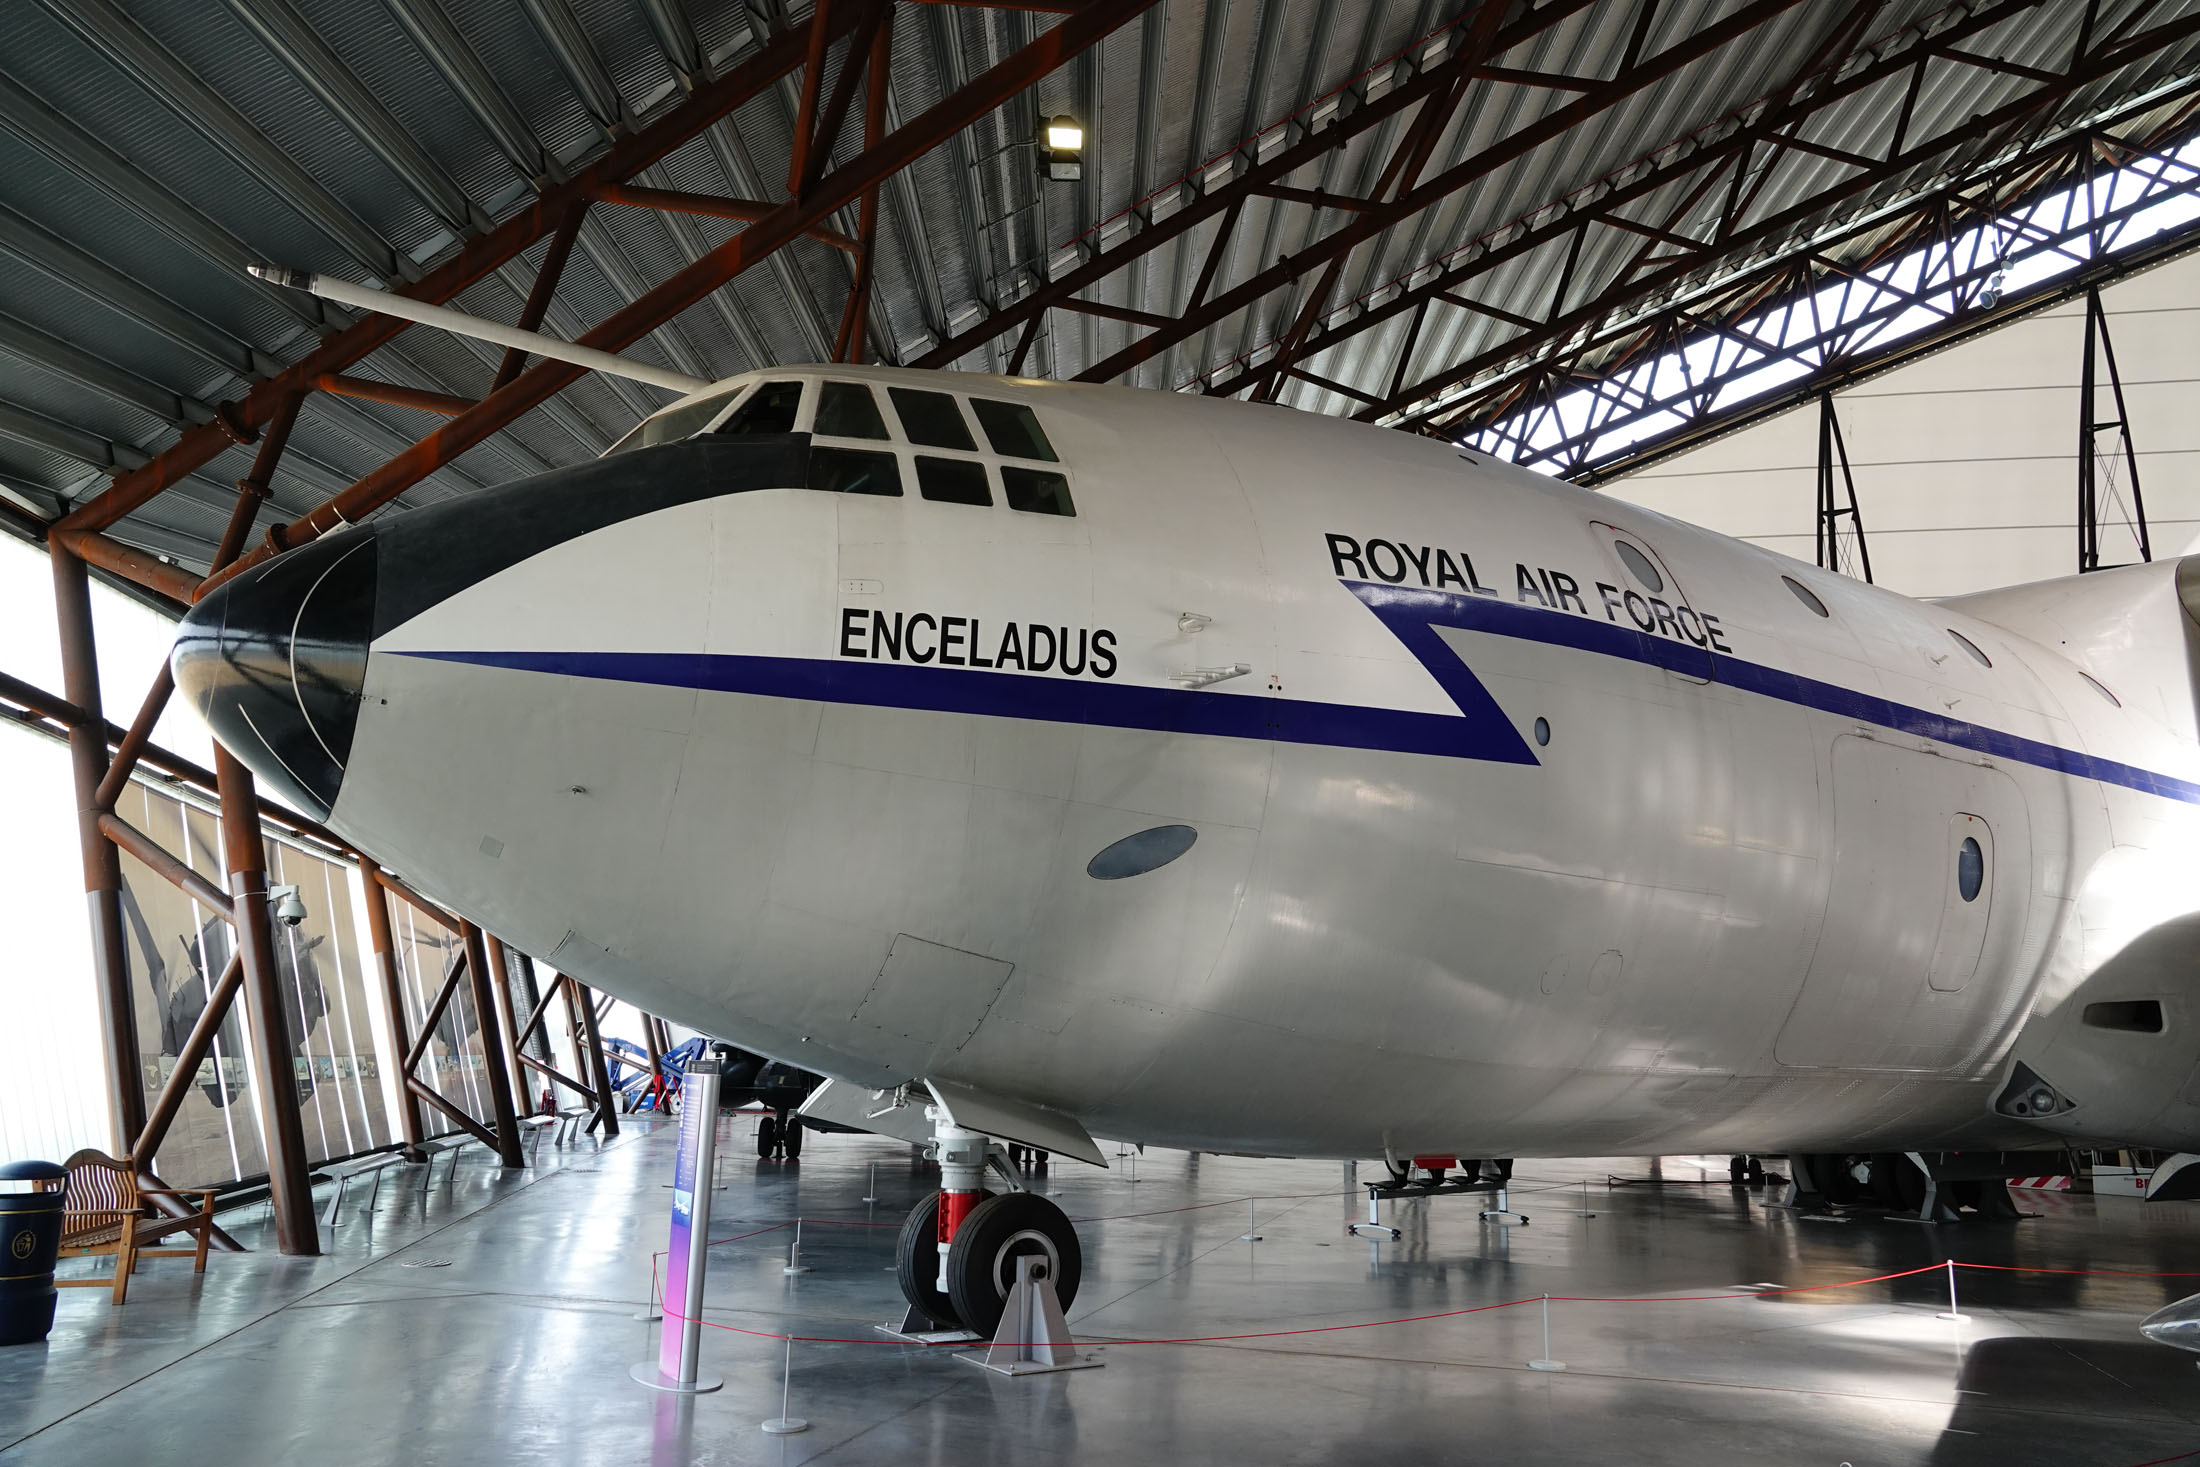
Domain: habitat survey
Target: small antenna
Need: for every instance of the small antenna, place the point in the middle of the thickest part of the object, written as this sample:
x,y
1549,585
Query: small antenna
x,y
367,298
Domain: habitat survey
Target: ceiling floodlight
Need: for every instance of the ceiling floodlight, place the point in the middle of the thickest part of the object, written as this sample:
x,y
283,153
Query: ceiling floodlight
x,y
1061,147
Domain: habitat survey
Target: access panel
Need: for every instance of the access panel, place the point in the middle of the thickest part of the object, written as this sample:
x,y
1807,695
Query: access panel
x,y
1924,918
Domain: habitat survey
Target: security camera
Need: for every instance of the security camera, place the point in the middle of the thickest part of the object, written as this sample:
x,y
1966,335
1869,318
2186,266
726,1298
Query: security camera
x,y
288,909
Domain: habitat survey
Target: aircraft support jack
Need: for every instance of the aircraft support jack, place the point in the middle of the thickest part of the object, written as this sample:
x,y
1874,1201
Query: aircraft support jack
x,y
1502,1214
1374,1227
1033,1338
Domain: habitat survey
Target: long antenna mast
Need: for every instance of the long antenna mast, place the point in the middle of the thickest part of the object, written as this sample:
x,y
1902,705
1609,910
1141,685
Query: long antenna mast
x,y
367,298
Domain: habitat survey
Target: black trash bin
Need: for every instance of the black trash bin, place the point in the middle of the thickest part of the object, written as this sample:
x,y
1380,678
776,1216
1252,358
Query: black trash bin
x,y
31,1200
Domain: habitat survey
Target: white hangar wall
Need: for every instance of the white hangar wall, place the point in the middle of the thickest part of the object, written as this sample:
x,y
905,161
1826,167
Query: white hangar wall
x,y
1966,461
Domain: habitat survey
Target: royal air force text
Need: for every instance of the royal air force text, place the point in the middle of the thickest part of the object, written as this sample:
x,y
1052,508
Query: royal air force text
x,y
1395,562
925,637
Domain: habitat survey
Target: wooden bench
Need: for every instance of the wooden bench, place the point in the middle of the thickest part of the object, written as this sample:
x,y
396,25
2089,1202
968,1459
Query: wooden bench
x,y
343,1171
105,1212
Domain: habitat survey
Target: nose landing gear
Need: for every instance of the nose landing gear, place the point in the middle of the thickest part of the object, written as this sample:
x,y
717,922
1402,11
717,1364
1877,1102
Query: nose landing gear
x,y
956,1259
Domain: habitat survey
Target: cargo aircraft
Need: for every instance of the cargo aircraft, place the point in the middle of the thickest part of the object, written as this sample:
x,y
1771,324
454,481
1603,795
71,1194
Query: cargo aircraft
x,y
1041,760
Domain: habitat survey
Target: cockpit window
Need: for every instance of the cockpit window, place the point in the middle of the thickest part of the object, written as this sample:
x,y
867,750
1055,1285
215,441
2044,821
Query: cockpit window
x,y
952,480
770,409
848,410
1013,429
853,471
677,423
1036,491
931,419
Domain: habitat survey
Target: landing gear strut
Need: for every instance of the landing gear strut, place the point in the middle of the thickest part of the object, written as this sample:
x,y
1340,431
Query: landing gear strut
x,y
956,1257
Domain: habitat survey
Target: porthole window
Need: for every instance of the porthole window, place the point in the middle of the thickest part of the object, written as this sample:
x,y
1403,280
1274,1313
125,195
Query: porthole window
x,y
1805,595
1542,731
1970,869
2100,687
1135,855
1639,565
1971,647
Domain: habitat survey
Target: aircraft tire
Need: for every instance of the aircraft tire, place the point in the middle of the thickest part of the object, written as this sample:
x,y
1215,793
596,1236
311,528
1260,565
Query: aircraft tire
x,y
981,1265
917,1263
790,1139
767,1137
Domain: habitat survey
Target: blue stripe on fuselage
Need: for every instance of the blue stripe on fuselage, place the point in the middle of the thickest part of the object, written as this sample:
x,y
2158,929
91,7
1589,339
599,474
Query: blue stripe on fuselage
x,y
1481,730
1405,609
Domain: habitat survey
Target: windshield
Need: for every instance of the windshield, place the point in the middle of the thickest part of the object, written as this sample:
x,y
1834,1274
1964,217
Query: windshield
x,y
676,423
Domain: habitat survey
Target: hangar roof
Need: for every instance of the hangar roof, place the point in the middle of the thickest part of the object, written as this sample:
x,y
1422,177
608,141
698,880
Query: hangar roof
x,y
1413,198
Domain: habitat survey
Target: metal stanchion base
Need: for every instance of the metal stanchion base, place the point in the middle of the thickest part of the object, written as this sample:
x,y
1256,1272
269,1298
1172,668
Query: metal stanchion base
x,y
929,1336
1546,1365
786,1425
646,1373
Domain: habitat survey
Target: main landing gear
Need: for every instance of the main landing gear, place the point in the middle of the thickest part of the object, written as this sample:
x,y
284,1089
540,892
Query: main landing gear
x,y
956,1257
779,1137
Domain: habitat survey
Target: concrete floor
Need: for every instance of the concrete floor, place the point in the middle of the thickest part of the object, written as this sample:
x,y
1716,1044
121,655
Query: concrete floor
x,y
518,1350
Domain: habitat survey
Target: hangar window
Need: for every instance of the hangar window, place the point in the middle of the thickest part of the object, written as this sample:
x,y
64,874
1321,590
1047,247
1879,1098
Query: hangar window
x,y
952,480
1036,491
1971,647
1013,429
1970,869
931,419
848,410
1639,566
2100,687
770,409
1805,595
852,471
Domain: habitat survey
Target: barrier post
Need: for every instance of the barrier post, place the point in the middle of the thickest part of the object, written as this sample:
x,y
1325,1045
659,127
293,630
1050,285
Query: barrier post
x,y
1545,1362
1953,1313
687,1256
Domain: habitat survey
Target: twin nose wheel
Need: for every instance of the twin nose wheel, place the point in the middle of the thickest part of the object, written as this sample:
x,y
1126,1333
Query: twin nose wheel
x,y
981,1261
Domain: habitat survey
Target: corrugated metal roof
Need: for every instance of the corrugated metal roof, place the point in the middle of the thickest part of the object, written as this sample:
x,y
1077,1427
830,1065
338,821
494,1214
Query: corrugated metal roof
x,y
150,142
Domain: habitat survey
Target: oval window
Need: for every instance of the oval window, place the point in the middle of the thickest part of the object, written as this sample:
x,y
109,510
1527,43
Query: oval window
x,y
1971,647
1805,595
1542,730
1135,855
1970,869
2100,687
1639,565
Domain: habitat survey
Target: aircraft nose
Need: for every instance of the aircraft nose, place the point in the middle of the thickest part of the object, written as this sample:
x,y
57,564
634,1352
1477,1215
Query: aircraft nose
x,y
274,660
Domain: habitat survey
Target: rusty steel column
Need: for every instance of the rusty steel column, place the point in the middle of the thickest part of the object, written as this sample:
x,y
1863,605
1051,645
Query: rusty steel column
x,y
393,997
274,1051
72,595
494,1068
500,978
599,1074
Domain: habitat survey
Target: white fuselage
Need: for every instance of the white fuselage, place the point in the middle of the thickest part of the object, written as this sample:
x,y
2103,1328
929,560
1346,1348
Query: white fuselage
x,y
739,761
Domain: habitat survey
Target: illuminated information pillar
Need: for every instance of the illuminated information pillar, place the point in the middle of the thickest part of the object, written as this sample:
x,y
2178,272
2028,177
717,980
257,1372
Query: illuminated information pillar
x,y
686,1256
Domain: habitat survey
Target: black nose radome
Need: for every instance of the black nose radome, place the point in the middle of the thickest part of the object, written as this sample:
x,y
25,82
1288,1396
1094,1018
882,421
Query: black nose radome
x,y
274,659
